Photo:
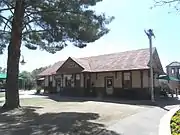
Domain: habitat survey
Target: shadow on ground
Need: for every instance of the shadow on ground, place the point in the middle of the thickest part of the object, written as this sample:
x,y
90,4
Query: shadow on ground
x,y
26,121
161,102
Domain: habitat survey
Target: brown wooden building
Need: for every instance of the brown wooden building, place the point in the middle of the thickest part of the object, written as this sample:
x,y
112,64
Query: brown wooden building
x,y
124,74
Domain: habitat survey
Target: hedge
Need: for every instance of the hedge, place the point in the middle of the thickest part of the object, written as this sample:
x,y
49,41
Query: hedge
x,y
175,123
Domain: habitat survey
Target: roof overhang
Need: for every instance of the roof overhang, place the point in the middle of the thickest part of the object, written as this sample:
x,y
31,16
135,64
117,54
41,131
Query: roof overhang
x,y
41,79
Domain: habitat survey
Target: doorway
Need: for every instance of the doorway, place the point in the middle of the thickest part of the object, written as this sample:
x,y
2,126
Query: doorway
x,y
109,85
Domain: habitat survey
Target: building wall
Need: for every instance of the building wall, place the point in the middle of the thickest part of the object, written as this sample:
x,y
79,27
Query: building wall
x,y
46,81
99,79
136,79
176,71
82,79
146,80
173,84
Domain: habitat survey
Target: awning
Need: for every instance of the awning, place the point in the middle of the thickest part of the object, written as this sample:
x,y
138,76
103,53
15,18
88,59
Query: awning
x,y
168,78
4,76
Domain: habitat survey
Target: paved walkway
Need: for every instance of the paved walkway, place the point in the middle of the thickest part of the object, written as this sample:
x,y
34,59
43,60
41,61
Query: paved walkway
x,y
26,94
143,123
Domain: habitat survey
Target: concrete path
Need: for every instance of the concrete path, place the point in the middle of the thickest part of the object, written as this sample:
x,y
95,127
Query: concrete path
x,y
26,94
143,123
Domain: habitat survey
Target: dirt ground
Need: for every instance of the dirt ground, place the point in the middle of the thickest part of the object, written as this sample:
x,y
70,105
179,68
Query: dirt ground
x,y
47,116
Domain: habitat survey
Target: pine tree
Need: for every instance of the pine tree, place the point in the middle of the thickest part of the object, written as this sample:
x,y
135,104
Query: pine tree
x,y
48,25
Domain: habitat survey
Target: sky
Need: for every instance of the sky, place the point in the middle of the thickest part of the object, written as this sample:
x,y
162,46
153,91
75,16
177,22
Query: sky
x,y
127,33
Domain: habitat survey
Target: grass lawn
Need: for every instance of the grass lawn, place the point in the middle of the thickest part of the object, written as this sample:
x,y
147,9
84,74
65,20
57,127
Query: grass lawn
x,y
50,117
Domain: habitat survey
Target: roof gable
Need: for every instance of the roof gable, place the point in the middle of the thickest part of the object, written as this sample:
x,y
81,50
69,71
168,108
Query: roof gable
x,y
174,64
157,63
70,65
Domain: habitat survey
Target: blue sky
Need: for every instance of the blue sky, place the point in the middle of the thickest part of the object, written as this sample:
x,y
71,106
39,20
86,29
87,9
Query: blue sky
x,y
127,33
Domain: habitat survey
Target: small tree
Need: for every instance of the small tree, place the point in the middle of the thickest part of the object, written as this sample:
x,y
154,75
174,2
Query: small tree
x,y
48,25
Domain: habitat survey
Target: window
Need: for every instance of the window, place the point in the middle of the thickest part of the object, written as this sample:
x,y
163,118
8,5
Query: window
x,y
127,80
77,76
109,83
173,71
68,80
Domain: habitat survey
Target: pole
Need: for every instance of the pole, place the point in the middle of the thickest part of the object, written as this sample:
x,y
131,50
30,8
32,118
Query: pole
x,y
151,69
150,33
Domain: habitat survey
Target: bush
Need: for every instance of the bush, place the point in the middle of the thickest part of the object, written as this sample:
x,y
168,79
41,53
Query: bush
x,y
175,123
38,90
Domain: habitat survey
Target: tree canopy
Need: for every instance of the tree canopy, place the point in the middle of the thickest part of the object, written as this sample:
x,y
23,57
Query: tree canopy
x,y
52,24
49,25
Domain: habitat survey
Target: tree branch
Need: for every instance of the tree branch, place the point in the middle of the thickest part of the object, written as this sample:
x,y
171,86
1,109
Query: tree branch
x,y
45,11
28,32
10,6
4,32
6,23
5,9
163,2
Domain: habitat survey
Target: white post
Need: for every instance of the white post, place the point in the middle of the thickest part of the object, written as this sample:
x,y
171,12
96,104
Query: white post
x,y
150,34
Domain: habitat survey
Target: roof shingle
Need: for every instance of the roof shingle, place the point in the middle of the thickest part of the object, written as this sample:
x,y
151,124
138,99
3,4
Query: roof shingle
x,y
129,60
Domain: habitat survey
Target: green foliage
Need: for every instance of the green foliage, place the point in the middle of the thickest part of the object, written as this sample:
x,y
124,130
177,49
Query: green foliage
x,y
28,78
52,24
37,71
175,124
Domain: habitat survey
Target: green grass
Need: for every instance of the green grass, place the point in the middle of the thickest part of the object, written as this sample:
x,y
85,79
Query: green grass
x,y
175,124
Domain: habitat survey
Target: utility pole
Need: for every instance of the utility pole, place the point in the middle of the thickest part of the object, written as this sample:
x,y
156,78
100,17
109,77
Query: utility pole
x,y
150,34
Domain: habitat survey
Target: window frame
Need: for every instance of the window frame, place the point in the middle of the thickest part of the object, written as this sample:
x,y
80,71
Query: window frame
x,y
127,81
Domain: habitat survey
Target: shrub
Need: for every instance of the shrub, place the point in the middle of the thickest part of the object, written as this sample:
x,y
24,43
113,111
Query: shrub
x,y
38,90
175,123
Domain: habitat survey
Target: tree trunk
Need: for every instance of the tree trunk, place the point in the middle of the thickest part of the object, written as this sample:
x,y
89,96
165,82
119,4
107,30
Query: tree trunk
x,y
12,93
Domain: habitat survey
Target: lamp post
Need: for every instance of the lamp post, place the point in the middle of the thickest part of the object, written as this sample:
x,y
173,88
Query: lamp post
x,y
22,61
150,34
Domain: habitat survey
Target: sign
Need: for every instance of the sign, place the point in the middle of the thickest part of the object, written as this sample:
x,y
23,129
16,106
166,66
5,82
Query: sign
x,y
57,76
72,64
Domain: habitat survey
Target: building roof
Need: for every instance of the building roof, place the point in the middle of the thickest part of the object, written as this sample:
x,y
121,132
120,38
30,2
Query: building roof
x,y
174,64
51,70
129,60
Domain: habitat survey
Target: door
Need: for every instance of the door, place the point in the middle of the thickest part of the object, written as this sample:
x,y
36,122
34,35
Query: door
x,y
109,85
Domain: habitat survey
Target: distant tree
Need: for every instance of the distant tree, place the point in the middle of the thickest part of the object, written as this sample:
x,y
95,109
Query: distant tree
x,y
46,24
28,79
37,71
